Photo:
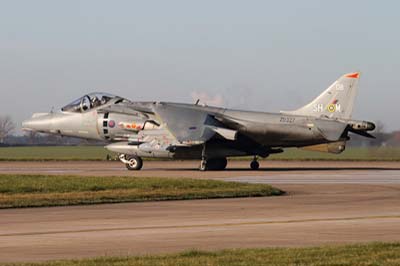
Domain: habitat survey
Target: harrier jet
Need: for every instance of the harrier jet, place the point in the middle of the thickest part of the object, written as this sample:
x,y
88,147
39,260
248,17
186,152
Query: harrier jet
x,y
137,130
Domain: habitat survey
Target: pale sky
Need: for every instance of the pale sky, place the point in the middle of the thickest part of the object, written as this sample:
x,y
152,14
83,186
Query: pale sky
x,y
259,55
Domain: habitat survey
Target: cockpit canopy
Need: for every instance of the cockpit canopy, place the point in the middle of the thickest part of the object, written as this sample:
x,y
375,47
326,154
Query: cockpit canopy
x,y
89,101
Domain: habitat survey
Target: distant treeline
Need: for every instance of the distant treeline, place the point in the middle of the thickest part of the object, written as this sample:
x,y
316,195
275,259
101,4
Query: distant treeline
x,y
391,139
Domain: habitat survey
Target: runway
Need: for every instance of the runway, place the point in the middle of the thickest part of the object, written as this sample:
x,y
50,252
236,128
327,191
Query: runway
x,y
190,168
326,203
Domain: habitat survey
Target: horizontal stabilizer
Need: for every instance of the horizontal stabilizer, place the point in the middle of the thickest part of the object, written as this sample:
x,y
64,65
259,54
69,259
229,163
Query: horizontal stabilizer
x,y
362,133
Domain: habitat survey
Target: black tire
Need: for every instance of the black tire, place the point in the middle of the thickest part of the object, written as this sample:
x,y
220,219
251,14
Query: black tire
x,y
135,162
254,165
214,164
222,163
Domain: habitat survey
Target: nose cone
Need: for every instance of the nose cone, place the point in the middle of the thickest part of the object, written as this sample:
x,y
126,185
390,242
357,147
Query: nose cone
x,y
38,122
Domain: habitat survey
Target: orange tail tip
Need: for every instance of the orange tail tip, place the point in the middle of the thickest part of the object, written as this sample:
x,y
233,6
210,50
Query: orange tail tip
x,y
353,75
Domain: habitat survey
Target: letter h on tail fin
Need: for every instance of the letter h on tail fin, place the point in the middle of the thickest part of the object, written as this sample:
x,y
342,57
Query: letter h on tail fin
x,y
336,101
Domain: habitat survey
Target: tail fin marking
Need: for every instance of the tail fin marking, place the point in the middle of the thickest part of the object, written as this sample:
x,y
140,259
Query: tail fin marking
x,y
336,101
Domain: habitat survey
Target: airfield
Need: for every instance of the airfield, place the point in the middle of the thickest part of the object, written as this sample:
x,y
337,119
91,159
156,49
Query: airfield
x,y
327,202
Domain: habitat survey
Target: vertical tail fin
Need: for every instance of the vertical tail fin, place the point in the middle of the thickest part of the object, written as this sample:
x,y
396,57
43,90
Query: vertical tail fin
x,y
335,102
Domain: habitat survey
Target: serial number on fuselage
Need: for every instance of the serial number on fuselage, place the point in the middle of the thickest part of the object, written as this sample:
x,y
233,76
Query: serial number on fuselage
x,y
286,119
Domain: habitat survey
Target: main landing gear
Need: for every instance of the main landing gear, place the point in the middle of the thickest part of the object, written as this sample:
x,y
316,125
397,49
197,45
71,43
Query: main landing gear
x,y
213,164
220,164
132,162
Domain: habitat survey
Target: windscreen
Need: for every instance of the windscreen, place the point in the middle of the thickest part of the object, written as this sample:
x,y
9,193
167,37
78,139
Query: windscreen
x,y
89,101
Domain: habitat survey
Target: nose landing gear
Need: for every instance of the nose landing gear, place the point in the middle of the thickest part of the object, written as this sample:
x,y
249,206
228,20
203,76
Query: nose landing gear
x,y
132,162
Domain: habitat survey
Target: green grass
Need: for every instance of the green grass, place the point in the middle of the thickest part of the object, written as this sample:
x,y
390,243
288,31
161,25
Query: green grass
x,y
98,153
54,153
40,190
352,255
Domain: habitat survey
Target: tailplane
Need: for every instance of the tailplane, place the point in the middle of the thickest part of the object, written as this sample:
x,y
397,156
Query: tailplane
x,y
336,101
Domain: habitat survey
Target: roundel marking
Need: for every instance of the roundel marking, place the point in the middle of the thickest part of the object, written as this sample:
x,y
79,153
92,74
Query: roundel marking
x,y
111,123
331,108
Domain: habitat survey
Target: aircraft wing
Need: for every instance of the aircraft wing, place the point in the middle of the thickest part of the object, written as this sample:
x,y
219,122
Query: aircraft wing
x,y
191,126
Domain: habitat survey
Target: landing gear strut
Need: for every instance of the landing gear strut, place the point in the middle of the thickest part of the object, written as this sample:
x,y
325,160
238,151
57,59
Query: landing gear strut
x,y
132,162
211,164
203,163
254,165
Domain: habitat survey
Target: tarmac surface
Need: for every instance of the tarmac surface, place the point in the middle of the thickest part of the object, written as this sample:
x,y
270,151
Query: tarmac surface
x,y
326,203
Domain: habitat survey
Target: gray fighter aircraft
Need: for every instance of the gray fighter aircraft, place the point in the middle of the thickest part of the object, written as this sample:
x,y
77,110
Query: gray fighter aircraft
x,y
137,130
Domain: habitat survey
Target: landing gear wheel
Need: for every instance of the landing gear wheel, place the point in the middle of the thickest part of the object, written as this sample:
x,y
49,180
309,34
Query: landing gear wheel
x,y
134,162
254,165
203,165
213,164
221,164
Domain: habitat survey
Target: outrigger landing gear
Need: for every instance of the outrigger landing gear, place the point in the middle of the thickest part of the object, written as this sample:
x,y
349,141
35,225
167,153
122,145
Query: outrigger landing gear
x,y
132,162
254,165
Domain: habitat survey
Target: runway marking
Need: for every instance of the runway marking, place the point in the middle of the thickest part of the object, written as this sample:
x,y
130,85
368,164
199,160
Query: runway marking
x,y
204,225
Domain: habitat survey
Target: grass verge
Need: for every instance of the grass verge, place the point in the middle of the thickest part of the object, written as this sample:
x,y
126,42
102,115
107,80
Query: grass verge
x,y
41,190
354,255
54,153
